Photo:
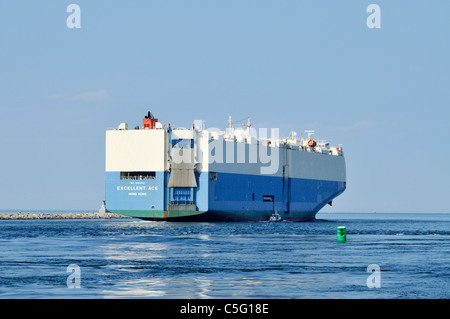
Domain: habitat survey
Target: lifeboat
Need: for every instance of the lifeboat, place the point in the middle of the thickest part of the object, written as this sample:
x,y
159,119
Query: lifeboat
x,y
312,143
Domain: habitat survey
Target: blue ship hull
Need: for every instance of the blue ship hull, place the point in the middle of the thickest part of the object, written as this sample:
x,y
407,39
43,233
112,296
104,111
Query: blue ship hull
x,y
226,197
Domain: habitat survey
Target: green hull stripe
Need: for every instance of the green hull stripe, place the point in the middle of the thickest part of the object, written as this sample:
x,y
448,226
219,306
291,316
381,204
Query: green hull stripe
x,y
156,213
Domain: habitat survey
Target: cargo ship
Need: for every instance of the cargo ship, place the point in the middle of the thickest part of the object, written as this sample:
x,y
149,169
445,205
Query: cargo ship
x,y
163,173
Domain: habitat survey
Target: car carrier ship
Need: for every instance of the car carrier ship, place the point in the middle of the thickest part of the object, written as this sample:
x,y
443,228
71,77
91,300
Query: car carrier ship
x,y
157,172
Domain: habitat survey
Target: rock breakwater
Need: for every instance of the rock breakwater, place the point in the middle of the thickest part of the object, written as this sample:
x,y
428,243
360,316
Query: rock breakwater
x,y
15,216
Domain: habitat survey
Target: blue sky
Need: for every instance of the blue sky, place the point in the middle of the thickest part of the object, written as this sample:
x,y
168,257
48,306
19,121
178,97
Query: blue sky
x,y
384,94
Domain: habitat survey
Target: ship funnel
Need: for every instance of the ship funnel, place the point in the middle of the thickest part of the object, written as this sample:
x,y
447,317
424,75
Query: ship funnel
x,y
149,121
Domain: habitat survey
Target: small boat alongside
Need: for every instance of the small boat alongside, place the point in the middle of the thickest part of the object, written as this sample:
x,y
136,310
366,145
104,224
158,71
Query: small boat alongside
x,y
275,217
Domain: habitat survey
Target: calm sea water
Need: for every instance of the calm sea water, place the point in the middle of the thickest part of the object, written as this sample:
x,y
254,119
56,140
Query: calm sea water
x,y
140,259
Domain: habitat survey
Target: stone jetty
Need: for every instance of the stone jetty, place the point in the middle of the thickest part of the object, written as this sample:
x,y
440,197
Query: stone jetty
x,y
14,216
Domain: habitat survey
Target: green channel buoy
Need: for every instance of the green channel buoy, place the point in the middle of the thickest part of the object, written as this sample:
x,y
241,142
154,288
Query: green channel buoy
x,y
341,233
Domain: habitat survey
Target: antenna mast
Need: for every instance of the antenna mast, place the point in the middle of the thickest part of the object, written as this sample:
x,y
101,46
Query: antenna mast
x,y
231,124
